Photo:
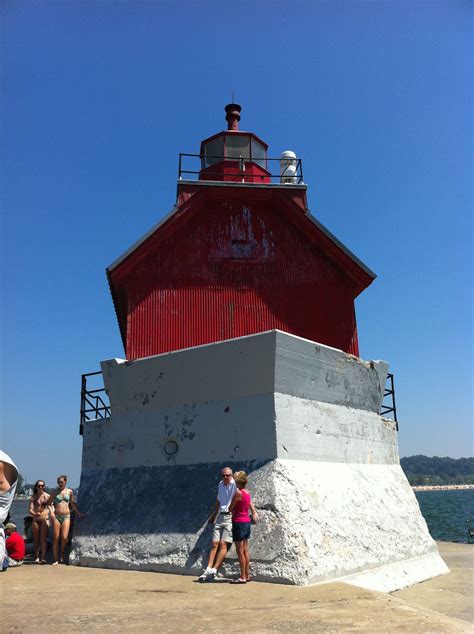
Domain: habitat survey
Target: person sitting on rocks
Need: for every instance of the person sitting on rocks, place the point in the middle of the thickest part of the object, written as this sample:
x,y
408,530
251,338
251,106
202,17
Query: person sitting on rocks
x,y
28,529
15,545
8,482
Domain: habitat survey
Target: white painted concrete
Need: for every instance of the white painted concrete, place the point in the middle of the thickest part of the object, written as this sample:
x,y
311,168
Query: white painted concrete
x,y
312,371
264,363
202,432
300,417
330,520
226,370
310,430
402,574
318,522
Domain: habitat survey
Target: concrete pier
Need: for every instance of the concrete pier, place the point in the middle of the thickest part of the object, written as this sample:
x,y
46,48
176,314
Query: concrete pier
x,y
301,418
121,601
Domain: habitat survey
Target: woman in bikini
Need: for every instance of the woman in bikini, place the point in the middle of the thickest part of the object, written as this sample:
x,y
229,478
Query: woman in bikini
x,y
62,498
39,511
240,506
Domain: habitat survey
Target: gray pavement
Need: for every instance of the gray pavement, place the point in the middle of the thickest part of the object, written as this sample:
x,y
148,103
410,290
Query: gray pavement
x,y
67,598
450,594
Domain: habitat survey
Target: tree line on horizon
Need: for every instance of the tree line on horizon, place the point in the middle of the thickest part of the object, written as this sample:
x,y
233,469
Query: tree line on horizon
x,y
425,471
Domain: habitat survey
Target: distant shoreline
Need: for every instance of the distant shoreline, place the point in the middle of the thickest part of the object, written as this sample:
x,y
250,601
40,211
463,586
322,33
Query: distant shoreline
x,y
442,487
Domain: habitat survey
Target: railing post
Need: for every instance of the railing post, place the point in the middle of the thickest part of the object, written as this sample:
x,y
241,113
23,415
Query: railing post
x,y
91,402
390,392
392,386
83,395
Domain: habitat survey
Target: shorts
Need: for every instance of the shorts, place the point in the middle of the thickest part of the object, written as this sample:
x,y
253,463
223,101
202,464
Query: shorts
x,y
240,531
222,531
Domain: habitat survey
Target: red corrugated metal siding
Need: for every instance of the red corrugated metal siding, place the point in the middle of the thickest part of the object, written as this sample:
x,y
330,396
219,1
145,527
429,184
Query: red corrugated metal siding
x,y
233,269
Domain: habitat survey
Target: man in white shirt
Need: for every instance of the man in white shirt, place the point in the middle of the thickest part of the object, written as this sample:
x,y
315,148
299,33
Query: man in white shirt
x,y
222,520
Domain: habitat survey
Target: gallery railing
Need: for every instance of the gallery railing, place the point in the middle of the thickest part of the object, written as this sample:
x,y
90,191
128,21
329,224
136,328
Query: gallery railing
x,y
93,405
388,403
191,166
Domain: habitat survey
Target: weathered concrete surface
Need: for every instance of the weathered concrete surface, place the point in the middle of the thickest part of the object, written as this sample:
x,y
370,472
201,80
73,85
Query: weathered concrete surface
x,y
311,430
300,417
312,371
318,521
119,601
264,363
231,400
202,432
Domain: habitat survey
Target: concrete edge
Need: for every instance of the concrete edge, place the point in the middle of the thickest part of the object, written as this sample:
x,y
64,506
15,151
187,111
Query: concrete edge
x,y
400,574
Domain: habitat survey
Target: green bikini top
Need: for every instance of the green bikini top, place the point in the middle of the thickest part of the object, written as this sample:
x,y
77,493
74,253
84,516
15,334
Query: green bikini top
x,y
62,498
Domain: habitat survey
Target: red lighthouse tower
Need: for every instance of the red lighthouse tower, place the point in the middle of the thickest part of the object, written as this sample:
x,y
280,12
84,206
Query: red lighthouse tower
x,y
238,254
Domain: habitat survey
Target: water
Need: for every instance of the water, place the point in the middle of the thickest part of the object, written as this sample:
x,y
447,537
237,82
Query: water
x,y
19,510
445,512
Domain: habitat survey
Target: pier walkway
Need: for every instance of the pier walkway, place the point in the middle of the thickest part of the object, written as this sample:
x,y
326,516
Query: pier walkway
x,y
67,598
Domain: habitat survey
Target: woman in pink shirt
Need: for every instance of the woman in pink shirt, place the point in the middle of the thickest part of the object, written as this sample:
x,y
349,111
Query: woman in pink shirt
x,y
241,503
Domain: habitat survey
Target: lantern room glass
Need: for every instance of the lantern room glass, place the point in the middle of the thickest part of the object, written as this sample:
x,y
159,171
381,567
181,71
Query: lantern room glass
x,y
214,151
237,147
258,153
234,147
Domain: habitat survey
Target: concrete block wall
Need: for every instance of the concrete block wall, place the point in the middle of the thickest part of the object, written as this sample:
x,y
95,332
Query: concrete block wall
x,y
300,417
253,398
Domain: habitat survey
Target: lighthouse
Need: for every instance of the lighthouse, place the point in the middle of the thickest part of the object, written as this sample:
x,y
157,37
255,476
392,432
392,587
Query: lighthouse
x,y
237,317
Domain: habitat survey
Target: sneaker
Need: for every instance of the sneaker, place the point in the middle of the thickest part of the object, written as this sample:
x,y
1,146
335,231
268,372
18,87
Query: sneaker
x,y
203,577
211,574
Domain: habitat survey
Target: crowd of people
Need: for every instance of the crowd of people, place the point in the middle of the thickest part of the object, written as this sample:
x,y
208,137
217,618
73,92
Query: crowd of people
x,y
50,515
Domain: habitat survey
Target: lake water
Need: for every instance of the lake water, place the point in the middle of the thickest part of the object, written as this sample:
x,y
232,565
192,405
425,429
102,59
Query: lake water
x,y
447,513
19,510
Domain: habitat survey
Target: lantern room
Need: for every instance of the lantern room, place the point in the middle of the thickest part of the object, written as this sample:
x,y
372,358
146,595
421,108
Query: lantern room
x,y
234,155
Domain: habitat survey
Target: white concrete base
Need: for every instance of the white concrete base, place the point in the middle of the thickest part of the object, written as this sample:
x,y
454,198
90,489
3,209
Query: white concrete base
x,y
332,520
319,522
301,418
399,575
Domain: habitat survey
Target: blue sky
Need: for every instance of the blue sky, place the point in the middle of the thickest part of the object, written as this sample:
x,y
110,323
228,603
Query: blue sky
x,y
100,97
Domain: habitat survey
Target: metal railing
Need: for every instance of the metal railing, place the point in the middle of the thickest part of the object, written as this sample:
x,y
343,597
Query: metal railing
x,y
243,164
389,407
93,406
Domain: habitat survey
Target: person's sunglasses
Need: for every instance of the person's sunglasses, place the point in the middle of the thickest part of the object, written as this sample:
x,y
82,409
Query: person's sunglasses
x,y
40,486
226,475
